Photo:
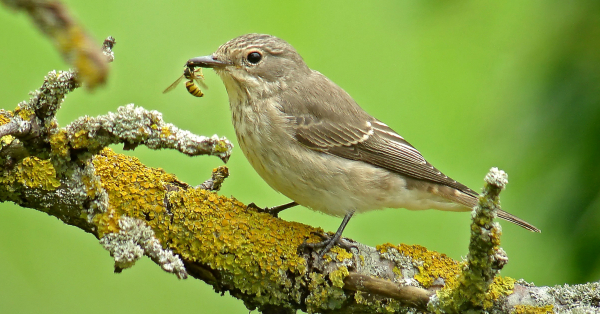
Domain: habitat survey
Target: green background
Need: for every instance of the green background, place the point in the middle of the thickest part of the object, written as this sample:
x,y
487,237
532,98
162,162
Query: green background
x,y
513,84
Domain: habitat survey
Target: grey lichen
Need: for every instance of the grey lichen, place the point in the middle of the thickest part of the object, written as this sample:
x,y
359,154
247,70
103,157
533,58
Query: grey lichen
x,y
406,266
577,296
47,100
583,298
134,126
497,178
136,239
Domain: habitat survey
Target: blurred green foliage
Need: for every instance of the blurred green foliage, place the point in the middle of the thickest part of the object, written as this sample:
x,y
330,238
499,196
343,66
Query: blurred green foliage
x,y
513,84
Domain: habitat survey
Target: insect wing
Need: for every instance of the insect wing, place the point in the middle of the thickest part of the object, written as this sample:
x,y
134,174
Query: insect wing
x,y
198,77
200,82
172,86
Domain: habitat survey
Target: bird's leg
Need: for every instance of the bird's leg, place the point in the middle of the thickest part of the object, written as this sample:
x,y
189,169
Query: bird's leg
x,y
329,242
273,211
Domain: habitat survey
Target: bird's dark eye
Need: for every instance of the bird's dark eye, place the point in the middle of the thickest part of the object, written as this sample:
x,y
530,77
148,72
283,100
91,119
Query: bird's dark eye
x,y
254,57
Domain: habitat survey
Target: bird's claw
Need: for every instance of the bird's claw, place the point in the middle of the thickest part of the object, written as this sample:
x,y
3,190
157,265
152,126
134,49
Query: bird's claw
x,y
327,243
267,210
273,211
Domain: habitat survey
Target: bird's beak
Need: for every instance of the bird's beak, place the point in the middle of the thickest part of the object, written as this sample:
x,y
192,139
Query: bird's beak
x,y
205,62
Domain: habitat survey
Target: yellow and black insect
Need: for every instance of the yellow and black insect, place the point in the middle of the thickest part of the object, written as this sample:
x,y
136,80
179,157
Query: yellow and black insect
x,y
194,76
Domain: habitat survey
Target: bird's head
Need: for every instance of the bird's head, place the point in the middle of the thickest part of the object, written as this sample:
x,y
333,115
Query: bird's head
x,y
255,64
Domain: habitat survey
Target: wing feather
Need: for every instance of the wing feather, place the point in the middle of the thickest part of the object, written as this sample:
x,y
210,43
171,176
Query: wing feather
x,y
345,130
372,142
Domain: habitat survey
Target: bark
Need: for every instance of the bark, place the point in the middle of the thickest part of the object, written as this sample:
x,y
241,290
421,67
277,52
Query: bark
x,y
137,211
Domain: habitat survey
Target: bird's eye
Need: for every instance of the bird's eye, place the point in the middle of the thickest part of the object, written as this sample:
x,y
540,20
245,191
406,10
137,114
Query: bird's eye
x,y
254,57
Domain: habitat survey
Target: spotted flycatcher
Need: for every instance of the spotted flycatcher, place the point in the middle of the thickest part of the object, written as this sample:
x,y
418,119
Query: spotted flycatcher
x,y
308,139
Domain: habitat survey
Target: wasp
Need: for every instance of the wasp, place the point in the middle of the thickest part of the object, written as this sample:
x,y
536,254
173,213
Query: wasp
x,y
193,76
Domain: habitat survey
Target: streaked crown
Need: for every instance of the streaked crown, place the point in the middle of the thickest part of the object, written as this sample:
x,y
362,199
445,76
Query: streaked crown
x,y
261,62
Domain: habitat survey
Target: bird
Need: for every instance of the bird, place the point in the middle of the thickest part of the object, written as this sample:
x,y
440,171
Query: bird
x,y
309,140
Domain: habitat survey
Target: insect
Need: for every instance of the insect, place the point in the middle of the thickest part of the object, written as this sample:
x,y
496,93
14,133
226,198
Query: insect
x,y
194,76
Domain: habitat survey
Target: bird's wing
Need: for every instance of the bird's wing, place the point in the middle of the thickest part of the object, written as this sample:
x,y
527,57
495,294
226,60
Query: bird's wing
x,y
341,128
372,142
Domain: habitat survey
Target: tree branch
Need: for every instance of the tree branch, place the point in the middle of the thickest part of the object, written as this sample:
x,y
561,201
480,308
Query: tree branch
x,y
69,37
136,211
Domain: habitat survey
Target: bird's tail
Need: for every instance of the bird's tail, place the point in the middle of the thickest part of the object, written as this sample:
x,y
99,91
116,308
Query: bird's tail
x,y
469,198
517,221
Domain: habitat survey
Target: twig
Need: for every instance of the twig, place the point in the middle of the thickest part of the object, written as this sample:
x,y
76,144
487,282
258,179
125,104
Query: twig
x,y
486,258
408,295
219,175
70,38
134,126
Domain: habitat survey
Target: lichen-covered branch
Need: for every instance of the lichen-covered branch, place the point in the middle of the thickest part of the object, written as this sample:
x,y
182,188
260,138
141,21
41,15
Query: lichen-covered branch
x,y
486,258
70,38
134,126
407,295
136,239
137,211
219,175
254,256
51,169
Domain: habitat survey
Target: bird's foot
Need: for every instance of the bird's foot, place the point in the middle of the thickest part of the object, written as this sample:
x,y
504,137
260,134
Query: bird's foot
x,y
327,243
273,211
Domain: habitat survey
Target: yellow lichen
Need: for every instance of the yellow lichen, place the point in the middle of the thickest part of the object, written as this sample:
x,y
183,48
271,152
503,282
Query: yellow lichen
x,y
6,140
33,173
340,253
5,116
379,305
501,287
322,295
529,309
133,189
397,271
337,276
434,265
58,144
81,139
24,113
254,251
165,132
221,147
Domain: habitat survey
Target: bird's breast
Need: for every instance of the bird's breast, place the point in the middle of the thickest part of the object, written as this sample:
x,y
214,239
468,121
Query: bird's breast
x,y
313,179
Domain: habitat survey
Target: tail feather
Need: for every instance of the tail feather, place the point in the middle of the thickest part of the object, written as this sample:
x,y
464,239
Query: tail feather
x,y
469,199
517,221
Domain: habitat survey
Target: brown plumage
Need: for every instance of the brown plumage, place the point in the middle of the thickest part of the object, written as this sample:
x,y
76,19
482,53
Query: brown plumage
x,y
308,139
